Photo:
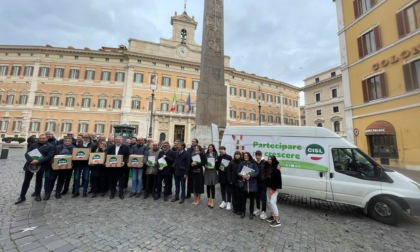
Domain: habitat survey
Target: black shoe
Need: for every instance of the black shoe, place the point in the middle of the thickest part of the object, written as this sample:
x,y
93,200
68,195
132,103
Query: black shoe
x,y
121,195
64,191
137,195
75,195
58,196
188,196
132,194
175,199
251,216
103,194
238,213
156,197
47,196
181,201
146,195
165,198
20,200
90,191
270,219
242,215
93,195
33,194
38,198
112,195
84,195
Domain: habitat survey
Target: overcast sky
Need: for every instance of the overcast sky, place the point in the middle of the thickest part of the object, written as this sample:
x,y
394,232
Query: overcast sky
x,y
286,40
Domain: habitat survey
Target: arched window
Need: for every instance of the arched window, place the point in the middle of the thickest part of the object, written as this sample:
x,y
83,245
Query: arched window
x,y
319,125
183,36
336,126
162,137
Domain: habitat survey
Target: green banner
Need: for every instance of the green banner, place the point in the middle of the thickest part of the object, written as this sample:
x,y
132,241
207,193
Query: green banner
x,y
302,165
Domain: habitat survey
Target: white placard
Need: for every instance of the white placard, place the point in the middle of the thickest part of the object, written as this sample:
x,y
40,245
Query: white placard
x,y
211,163
246,170
196,158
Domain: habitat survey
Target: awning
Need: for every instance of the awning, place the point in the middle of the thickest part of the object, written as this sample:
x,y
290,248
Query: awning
x,y
380,128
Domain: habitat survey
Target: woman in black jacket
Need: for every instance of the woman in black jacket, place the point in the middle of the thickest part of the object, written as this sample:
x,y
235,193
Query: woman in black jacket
x,y
196,184
232,178
273,182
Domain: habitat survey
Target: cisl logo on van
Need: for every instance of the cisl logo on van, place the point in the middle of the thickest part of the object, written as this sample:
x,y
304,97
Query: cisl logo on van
x,y
315,152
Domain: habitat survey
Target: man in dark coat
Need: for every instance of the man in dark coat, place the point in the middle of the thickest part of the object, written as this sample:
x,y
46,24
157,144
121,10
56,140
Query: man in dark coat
x,y
165,173
190,151
181,165
47,152
261,195
117,174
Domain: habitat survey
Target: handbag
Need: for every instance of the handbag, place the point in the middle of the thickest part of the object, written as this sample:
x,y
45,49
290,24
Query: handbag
x,y
196,170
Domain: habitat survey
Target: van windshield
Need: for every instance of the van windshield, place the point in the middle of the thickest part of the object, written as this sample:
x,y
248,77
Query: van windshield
x,y
354,162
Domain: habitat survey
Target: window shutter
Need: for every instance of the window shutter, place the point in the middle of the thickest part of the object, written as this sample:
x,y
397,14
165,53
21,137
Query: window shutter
x,y
86,72
14,126
70,126
365,90
407,77
54,125
39,71
1,125
96,127
102,75
356,8
19,71
360,46
384,86
30,126
48,72
400,24
378,41
62,127
51,98
78,130
46,126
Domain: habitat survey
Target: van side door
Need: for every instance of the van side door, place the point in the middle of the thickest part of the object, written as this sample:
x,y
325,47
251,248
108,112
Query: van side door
x,y
352,176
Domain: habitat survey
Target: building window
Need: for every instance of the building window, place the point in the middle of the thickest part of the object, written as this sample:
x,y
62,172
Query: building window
x,y
44,71
166,81
120,77
29,70
383,146
296,104
270,119
243,115
269,98
50,126
102,103
318,112
319,125
23,99
317,97
362,6
336,126
369,42
408,20
316,79
332,74
336,109
262,96
106,75
138,78
252,116
181,83
135,104
17,126
195,84
374,88
86,103
412,75
278,119
39,100
74,74
117,104
54,101
164,107
10,98
252,94
66,127
83,127
180,108
16,70
242,92
99,128
284,100
286,121
59,72
232,113
70,102
3,70
334,93
262,118
90,74
34,126
233,91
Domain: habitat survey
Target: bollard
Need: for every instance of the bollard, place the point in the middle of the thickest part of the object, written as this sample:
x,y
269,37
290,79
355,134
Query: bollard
x,y
4,153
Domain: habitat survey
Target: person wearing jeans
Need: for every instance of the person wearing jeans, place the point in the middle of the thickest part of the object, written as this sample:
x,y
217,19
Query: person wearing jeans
x,y
223,166
273,182
181,164
250,184
137,179
81,167
260,196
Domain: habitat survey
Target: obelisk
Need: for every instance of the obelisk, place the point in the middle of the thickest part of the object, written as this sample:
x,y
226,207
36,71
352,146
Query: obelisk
x,y
211,93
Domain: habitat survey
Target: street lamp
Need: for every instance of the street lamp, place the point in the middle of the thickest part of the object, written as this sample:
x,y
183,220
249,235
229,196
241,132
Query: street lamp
x,y
259,105
153,87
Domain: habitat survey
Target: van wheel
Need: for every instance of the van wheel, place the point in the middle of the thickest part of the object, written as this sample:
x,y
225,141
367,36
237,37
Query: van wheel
x,y
385,210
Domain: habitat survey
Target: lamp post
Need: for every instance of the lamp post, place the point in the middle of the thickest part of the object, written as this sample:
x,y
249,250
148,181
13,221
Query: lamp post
x,y
153,87
259,105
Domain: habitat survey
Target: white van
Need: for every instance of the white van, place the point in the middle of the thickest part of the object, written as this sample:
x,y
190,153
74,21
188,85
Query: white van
x,y
317,163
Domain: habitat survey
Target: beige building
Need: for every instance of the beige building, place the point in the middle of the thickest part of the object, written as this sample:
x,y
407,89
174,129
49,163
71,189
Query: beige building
x,y
83,90
302,116
324,101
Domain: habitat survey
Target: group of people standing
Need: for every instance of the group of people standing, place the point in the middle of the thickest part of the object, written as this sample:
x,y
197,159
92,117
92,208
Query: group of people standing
x,y
193,169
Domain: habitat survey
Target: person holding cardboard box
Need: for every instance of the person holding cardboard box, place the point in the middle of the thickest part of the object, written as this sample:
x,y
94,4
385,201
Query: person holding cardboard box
x,y
152,171
116,174
64,149
96,162
137,179
80,162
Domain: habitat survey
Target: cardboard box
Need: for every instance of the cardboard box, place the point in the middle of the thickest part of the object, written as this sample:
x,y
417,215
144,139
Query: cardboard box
x,y
114,161
80,154
96,158
62,162
135,161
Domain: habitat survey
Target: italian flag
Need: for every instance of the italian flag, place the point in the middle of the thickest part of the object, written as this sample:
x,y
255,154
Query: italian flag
x,y
173,107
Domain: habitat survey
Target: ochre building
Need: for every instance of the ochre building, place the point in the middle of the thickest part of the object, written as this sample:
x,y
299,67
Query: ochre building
x,y
84,90
380,56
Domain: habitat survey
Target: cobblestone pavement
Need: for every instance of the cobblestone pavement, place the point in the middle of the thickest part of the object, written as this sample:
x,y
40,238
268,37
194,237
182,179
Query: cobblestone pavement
x,y
101,224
